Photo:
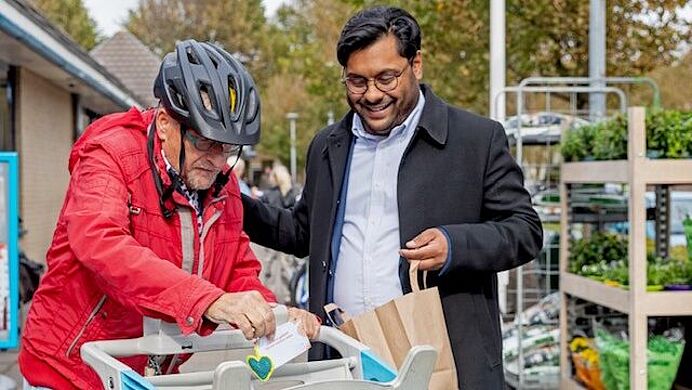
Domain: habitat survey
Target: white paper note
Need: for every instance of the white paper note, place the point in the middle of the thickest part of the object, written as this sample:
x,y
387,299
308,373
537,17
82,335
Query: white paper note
x,y
285,345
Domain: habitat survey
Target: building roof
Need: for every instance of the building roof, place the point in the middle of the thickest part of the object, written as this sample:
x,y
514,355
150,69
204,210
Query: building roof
x,y
131,62
30,40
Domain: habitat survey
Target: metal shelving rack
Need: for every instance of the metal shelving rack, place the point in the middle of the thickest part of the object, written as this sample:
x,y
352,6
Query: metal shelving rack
x,y
637,172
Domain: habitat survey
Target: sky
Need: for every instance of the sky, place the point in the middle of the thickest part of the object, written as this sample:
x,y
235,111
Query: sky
x,y
110,14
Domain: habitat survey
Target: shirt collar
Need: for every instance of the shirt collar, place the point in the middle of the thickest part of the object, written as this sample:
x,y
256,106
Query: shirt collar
x,y
191,196
411,122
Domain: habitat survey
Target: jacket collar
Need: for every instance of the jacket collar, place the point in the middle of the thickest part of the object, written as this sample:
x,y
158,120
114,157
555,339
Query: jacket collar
x,y
433,119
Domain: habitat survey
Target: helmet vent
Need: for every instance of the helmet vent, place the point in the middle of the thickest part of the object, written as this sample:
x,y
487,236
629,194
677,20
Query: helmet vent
x,y
232,94
192,57
206,99
213,61
252,107
176,97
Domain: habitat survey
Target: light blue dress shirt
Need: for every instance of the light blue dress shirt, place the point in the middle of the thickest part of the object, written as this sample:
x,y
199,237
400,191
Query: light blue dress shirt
x,y
367,271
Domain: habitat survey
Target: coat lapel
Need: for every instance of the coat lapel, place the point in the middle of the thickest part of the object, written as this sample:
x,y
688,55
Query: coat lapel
x,y
433,122
338,145
433,119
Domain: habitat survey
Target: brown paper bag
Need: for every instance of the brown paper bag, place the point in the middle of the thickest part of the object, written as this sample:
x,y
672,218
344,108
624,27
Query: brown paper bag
x,y
413,319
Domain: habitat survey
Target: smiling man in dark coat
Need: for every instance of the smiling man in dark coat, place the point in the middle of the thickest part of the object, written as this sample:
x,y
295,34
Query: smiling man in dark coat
x,y
404,177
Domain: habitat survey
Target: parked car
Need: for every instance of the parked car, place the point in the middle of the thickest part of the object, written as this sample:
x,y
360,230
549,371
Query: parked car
x,y
542,127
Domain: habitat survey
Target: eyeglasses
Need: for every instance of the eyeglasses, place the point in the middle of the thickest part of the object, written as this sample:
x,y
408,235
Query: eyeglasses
x,y
385,82
206,145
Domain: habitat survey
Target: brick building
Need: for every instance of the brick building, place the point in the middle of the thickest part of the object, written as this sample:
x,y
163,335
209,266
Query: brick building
x,y
50,89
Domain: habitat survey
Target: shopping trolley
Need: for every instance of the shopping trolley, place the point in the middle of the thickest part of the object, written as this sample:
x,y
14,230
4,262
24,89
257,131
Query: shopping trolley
x,y
358,368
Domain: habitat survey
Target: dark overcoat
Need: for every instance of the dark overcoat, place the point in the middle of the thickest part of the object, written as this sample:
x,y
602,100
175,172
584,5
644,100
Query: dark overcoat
x,y
457,172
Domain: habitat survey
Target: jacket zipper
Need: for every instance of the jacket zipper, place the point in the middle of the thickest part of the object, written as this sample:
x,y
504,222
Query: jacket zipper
x,y
94,311
205,229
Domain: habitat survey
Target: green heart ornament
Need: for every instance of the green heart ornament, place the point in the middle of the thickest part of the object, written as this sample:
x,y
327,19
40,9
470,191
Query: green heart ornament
x,y
261,366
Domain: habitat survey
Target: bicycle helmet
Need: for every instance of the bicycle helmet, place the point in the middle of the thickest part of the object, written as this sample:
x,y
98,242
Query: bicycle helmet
x,y
204,88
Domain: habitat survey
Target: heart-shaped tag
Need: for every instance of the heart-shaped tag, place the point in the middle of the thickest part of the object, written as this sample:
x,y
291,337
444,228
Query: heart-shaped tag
x,y
261,366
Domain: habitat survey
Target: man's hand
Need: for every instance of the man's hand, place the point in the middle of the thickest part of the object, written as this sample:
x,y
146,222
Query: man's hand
x,y
428,248
246,310
308,323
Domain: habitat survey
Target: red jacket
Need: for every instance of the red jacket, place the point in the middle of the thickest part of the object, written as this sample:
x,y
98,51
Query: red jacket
x,y
114,257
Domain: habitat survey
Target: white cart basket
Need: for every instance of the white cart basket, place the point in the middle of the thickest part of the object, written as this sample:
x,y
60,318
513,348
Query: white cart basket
x,y
358,368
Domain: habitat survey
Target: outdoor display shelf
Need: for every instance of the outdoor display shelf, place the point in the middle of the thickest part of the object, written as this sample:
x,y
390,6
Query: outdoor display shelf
x,y
637,172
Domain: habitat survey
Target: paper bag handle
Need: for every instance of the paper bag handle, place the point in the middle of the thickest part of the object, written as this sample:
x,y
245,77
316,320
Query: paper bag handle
x,y
413,276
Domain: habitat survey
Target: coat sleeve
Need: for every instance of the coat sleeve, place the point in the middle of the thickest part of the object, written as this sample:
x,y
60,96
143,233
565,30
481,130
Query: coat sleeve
x,y
97,222
511,233
283,229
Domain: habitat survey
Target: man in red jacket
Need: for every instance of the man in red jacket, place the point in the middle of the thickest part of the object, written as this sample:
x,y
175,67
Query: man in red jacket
x,y
152,225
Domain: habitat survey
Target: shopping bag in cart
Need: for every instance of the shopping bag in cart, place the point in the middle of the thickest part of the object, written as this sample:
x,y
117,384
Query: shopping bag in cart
x,y
393,328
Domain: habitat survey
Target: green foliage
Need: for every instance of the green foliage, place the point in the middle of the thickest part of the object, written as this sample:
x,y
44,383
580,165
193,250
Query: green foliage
x,y
663,358
306,78
603,256
600,250
237,25
659,272
610,139
550,38
618,272
668,132
72,17
667,271
577,145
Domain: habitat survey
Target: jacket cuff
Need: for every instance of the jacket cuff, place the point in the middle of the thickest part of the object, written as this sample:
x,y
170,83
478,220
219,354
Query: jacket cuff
x,y
448,260
191,318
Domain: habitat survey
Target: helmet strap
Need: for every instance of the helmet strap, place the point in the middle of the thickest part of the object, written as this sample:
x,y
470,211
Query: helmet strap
x,y
181,156
164,193
220,181
222,178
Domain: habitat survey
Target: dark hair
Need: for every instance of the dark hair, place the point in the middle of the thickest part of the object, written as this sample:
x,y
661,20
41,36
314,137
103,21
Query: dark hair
x,y
369,25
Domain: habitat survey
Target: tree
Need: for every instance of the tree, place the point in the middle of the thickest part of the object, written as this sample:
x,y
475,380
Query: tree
x,y
293,56
668,79
237,25
306,77
550,37
73,18
544,37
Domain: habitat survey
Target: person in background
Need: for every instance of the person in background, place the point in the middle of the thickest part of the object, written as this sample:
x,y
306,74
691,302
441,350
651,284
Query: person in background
x,y
152,226
407,178
278,268
239,172
281,192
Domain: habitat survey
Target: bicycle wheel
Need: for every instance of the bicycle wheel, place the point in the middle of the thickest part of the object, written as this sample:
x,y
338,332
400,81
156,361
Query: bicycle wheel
x,y
299,287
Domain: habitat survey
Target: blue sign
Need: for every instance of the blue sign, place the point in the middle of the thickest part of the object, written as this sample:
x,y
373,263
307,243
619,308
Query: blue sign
x,y
9,241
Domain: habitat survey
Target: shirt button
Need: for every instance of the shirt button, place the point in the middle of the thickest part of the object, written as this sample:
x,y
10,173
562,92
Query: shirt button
x,y
189,321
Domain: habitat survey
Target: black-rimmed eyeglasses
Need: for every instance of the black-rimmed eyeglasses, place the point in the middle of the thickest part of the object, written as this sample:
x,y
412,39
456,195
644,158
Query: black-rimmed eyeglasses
x,y
385,82
205,145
